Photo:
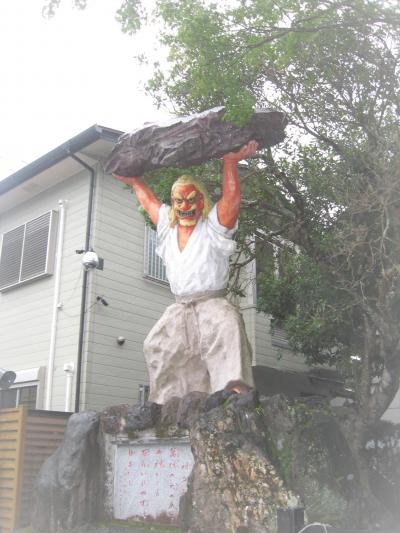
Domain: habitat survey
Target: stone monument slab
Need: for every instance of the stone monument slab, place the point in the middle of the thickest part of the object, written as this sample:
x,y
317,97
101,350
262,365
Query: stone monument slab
x,y
150,478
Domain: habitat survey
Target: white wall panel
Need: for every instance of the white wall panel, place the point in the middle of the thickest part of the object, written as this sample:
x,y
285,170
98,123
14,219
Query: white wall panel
x,y
25,311
134,302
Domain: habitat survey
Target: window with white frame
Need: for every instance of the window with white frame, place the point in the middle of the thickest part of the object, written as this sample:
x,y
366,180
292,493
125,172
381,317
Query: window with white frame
x,y
27,252
27,389
13,397
153,266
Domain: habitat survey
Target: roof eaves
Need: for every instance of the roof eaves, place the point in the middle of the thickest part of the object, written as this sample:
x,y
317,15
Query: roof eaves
x,y
56,155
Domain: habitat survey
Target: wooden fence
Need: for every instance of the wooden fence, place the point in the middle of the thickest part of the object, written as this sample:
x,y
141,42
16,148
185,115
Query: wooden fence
x,y
27,438
11,449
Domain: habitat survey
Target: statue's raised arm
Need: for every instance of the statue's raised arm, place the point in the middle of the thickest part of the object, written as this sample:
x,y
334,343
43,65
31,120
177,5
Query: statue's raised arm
x,y
229,204
147,199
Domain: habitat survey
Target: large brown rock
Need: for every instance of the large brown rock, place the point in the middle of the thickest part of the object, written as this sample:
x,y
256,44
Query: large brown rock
x,y
234,486
191,140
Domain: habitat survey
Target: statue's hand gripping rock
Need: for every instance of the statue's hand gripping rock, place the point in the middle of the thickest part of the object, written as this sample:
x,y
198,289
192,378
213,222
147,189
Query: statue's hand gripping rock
x,y
199,344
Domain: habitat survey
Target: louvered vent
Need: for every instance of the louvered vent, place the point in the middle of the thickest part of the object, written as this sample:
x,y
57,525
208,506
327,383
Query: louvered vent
x,y
35,247
28,251
153,266
11,253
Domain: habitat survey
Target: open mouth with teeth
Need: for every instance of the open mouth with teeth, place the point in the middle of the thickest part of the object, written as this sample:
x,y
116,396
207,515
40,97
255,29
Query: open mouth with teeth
x,y
186,214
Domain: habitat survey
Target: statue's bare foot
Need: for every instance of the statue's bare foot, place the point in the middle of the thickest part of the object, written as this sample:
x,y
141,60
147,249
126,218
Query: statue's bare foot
x,y
238,386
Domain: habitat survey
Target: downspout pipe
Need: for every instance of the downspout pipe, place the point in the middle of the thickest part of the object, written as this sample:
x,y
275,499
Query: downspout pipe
x,y
84,280
56,305
69,375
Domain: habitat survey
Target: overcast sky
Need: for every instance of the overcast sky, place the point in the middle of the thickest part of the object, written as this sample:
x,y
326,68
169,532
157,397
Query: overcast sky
x,y
61,76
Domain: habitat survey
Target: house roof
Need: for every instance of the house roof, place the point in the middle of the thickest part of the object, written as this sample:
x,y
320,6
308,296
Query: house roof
x,y
76,144
94,144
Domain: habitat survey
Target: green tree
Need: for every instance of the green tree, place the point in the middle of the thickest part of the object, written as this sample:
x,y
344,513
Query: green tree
x,y
333,189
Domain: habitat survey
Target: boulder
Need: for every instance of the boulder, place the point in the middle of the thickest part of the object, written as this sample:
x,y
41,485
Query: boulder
x,y
114,419
68,491
142,417
189,408
191,140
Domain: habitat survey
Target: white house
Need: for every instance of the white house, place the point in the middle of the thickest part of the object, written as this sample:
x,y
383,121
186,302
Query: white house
x,y
74,336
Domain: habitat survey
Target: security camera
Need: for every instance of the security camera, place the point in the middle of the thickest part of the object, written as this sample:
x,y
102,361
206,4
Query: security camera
x,y
7,378
92,260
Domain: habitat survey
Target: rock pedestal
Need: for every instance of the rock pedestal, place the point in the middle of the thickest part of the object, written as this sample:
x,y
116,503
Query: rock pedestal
x,y
234,487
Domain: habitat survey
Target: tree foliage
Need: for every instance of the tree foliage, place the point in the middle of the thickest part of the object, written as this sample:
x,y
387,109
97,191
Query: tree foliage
x,y
333,189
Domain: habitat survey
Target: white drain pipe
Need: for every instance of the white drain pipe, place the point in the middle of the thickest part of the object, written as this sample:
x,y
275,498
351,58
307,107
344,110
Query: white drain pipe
x,y
56,304
69,369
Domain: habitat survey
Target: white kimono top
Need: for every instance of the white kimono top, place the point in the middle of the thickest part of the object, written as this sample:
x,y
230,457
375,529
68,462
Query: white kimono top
x,y
203,265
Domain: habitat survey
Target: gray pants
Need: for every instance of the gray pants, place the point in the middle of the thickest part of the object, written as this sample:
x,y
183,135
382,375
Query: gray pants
x,y
199,344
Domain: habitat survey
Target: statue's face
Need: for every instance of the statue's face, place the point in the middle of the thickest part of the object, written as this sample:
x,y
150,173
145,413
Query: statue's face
x,y
188,204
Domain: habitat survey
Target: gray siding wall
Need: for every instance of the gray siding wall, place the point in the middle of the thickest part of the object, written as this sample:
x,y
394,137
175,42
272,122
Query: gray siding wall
x,y
26,310
113,373
267,353
258,326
